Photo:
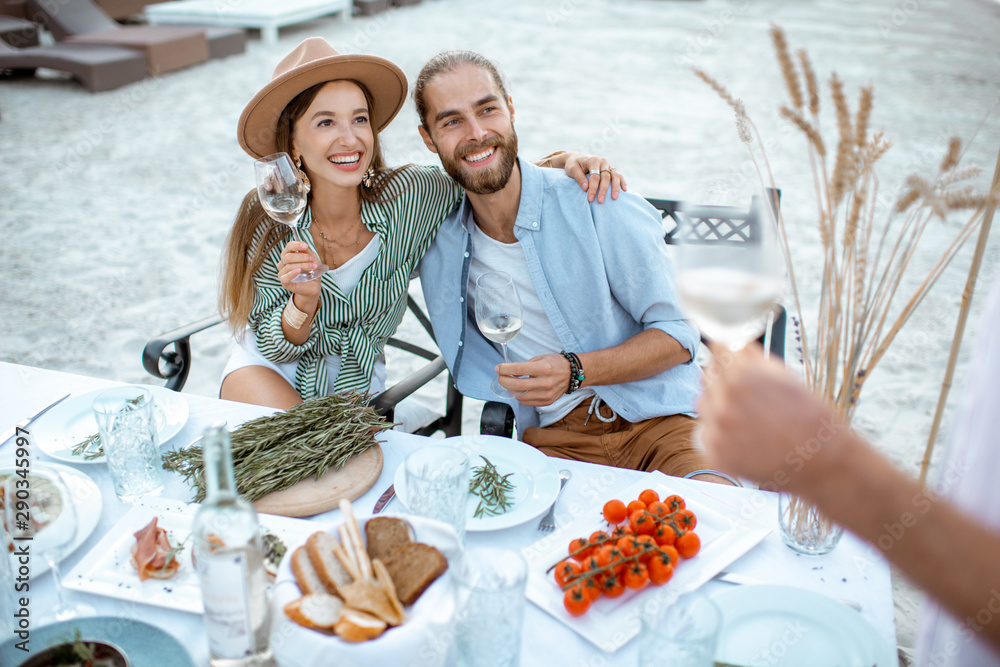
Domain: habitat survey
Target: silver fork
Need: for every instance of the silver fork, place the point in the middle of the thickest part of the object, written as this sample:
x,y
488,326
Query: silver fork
x,y
548,523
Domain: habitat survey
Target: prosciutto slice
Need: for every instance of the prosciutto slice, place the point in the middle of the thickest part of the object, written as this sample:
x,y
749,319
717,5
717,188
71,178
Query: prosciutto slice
x,y
151,549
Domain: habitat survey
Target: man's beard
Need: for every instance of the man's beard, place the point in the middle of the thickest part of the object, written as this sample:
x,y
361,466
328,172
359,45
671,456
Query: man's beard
x,y
486,181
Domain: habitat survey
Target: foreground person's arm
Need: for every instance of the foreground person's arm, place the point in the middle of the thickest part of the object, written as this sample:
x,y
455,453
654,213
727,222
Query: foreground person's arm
x,y
760,422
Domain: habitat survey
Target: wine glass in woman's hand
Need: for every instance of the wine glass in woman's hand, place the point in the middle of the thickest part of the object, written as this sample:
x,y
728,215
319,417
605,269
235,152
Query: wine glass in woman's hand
x,y
283,195
498,314
38,507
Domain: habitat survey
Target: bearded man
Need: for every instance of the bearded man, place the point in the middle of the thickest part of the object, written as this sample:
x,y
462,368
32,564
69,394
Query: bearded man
x,y
603,367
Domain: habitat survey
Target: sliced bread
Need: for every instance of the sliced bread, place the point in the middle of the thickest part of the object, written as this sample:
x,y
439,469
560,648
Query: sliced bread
x,y
369,595
331,572
357,626
384,534
316,611
413,567
305,574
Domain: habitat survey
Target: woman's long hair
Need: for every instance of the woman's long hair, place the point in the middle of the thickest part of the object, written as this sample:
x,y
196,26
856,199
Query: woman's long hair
x,y
243,258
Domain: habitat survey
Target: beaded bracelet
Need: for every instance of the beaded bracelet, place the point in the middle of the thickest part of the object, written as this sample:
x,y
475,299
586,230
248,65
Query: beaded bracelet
x,y
576,376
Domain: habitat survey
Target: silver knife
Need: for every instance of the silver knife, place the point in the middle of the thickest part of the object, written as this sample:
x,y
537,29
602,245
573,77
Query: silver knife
x,y
384,499
12,431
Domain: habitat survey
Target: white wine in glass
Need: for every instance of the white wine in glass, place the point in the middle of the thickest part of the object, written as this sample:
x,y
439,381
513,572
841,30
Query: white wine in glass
x,y
283,196
498,314
729,288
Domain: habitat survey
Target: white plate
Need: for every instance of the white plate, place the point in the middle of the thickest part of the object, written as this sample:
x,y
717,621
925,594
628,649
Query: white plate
x,y
72,421
535,479
86,498
106,569
610,623
422,639
786,626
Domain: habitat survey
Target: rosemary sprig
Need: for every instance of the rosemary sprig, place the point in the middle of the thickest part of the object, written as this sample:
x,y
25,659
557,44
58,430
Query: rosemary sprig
x,y
492,489
82,448
278,451
175,548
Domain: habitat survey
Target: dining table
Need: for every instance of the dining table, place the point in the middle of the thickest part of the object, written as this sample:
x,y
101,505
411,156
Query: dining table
x,y
854,571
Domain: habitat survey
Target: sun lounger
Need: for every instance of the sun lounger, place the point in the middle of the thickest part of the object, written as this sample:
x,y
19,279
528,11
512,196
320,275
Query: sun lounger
x,y
98,67
265,15
167,48
18,32
120,9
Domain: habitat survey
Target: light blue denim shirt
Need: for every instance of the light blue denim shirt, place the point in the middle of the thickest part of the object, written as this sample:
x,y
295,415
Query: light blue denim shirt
x,y
602,274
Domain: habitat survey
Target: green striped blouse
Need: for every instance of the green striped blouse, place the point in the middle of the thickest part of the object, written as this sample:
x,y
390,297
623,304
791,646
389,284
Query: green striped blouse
x,y
356,327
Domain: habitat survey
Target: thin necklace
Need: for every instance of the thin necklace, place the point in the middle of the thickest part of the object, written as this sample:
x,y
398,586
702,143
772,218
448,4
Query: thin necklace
x,y
357,238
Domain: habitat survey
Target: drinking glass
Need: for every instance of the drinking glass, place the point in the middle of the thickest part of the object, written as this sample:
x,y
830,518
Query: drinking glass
x,y
682,634
40,513
729,287
437,485
126,421
489,611
283,195
804,529
498,314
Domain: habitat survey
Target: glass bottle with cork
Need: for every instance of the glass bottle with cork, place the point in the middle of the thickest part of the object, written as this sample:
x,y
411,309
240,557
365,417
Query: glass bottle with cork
x,y
228,559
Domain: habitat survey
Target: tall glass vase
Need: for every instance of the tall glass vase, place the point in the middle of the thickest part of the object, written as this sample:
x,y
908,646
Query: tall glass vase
x,y
804,529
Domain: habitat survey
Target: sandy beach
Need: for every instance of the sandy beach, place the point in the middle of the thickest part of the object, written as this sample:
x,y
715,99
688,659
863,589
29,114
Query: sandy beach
x,y
114,206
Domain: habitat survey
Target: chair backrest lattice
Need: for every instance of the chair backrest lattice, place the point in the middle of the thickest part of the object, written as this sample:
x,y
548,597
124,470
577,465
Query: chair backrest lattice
x,y
710,225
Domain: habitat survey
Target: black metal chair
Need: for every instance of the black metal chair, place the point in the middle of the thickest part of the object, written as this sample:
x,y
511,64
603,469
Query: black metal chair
x,y
169,357
712,225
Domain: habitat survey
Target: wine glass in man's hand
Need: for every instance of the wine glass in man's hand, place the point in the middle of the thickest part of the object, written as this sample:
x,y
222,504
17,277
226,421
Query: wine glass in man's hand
x,y
498,314
283,195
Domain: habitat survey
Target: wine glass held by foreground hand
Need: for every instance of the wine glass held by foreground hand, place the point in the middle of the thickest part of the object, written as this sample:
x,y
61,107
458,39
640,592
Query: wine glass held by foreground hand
x,y
39,508
498,314
283,193
729,280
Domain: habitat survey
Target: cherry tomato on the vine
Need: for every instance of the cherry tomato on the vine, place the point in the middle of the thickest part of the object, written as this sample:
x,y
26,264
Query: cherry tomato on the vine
x,y
615,511
565,570
688,544
649,497
636,576
580,543
674,503
576,601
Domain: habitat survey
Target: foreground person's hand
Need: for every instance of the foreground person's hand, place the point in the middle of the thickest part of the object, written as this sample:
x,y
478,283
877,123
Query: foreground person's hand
x,y
760,422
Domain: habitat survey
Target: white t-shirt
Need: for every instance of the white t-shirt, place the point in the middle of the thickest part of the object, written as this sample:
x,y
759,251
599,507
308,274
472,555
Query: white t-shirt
x,y
969,477
537,336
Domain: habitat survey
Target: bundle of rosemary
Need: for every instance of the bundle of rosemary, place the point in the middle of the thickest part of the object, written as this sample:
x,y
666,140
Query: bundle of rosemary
x,y
278,451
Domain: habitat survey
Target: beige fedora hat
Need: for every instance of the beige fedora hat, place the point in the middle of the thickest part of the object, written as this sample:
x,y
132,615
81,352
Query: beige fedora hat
x,y
311,62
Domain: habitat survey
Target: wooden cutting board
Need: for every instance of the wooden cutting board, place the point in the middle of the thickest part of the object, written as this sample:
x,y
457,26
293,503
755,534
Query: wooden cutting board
x,y
314,496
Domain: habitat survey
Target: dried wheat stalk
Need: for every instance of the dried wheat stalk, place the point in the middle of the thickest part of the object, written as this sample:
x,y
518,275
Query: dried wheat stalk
x,y
866,256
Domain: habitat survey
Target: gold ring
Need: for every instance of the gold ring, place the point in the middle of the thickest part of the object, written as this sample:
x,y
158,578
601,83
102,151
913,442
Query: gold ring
x,y
606,170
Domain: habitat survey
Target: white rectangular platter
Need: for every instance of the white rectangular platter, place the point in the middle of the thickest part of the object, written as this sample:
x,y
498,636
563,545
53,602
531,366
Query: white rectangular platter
x,y
106,569
611,623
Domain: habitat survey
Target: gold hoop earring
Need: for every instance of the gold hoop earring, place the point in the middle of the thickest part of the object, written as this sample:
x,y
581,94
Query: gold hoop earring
x,y
306,185
369,178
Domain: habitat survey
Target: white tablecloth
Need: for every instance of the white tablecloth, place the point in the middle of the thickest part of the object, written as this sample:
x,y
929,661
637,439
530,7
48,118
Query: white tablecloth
x,y
854,570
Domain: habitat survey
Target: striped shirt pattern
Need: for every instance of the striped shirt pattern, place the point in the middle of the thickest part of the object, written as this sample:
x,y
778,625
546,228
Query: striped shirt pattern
x,y
357,326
